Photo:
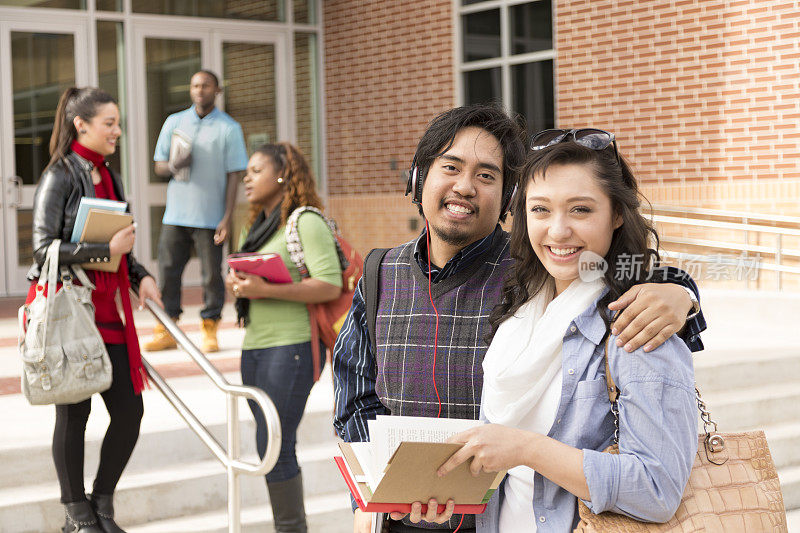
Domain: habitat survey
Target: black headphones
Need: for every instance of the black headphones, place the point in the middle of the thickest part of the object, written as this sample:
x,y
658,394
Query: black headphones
x,y
416,179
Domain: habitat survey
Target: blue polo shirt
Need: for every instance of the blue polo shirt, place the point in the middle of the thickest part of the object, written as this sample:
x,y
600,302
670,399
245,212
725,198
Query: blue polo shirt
x,y
217,149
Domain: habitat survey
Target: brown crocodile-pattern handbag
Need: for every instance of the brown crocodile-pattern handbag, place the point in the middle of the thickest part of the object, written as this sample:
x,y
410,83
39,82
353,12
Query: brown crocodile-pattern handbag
x,y
733,486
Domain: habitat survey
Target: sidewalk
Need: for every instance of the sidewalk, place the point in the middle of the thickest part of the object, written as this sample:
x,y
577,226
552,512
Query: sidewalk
x,y
755,328
172,483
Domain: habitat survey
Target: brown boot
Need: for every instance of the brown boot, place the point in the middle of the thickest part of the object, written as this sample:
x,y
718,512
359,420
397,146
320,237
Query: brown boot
x,y
162,340
209,327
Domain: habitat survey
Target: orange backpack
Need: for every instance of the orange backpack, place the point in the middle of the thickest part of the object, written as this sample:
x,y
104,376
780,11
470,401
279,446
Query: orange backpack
x,y
326,318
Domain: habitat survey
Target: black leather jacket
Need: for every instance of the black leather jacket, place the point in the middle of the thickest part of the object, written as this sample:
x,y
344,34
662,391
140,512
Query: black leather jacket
x,y
55,206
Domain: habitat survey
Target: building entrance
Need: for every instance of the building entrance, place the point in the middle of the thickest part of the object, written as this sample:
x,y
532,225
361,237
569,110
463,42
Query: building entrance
x,y
268,67
38,60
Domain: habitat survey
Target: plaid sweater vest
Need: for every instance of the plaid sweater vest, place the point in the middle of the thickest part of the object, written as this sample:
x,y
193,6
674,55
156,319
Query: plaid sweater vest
x,y
406,324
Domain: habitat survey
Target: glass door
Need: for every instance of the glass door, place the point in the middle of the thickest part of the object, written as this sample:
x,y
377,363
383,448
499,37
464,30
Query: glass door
x,y
164,64
248,64
37,62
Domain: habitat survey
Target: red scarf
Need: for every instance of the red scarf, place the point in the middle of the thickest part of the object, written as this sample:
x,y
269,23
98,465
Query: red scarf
x,y
107,283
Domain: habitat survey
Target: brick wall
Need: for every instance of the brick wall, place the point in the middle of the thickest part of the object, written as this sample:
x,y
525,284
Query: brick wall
x,y
703,97
388,71
698,92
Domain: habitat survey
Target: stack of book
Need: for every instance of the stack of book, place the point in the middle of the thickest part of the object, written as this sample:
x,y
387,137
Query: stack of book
x,y
96,221
399,467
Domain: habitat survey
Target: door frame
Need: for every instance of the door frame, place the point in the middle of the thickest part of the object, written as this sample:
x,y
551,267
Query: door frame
x,y
211,34
12,275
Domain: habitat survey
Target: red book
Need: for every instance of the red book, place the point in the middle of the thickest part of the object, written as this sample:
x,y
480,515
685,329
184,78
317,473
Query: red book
x,y
269,266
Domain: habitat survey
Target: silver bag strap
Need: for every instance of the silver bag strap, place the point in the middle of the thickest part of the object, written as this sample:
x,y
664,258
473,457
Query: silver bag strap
x,y
50,268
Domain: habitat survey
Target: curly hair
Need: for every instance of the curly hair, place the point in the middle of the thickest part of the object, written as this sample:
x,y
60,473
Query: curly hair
x,y
292,167
632,239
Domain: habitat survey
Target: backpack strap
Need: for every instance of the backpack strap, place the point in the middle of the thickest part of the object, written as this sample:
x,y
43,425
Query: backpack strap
x,y
371,287
295,246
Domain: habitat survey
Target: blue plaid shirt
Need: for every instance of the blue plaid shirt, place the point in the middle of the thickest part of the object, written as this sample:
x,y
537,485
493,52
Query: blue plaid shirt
x,y
354,370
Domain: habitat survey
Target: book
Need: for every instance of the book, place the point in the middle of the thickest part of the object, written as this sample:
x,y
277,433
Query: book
x,y
100,226
180,146
269,266
87,203
398,467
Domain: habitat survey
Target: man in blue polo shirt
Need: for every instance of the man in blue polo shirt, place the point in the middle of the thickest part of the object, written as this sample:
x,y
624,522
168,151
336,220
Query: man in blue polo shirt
x,y
200,204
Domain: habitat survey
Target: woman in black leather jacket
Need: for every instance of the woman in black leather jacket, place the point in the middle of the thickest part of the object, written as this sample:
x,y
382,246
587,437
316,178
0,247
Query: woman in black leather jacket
x,y
85,131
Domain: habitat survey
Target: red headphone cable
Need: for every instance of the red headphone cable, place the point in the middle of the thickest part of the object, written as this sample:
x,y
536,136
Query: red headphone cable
x,y
436,311
435,339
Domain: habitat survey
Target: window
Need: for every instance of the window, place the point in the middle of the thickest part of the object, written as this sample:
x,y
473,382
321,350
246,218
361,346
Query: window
x,y
59,4
272,10
507,57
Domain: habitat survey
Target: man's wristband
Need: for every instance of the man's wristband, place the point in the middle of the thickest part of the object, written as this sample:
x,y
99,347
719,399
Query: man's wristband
x,y
695,310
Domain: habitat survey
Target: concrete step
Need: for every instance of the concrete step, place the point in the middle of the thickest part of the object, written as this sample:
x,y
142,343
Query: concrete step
x,y
790,487
783,442
155,450
762,406
722,370
793,520
165,439
182,490
171,473
329,513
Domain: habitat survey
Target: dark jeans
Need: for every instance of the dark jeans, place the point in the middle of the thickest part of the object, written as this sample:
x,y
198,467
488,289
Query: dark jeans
x,y
286,374
174,251
125,410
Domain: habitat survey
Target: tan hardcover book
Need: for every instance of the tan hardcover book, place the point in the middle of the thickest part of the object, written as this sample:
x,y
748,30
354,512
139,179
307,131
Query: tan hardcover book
x,y
410,476
100,226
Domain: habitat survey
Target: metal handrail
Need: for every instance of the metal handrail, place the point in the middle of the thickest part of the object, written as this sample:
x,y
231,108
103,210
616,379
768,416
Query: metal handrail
x,y
703,243
744,217
777,225
726,225
230,458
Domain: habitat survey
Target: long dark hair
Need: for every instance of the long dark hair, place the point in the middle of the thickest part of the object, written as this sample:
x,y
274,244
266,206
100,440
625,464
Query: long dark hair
x,y
297,177
74,102
633,239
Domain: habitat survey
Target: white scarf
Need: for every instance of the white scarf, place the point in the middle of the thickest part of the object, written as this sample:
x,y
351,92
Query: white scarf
x,y
525,354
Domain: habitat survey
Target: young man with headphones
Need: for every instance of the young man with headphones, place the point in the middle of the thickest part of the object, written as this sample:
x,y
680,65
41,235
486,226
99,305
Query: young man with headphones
x,y
435,294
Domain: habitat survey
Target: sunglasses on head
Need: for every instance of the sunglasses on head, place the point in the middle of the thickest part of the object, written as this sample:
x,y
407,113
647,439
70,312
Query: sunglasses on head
x,y
588,137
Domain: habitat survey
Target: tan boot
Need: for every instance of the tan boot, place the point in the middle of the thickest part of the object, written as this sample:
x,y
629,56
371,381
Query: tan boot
x,y
209,327
162,340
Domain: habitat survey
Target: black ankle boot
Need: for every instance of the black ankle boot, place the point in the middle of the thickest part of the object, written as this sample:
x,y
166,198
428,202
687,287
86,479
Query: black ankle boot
x,y
288,511
103,505
80,518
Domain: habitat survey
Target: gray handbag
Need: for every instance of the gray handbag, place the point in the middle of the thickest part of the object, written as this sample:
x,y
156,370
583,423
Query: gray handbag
x,y
64,358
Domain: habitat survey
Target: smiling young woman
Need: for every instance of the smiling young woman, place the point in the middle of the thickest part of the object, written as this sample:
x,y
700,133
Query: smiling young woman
x,y
544,389
568,214
86,130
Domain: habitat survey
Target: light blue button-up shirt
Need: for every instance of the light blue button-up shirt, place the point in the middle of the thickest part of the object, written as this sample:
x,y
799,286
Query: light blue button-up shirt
x,y
217,149
657,434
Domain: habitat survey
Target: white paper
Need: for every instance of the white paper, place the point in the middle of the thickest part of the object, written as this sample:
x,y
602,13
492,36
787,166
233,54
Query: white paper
x,y
387,432
363,453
